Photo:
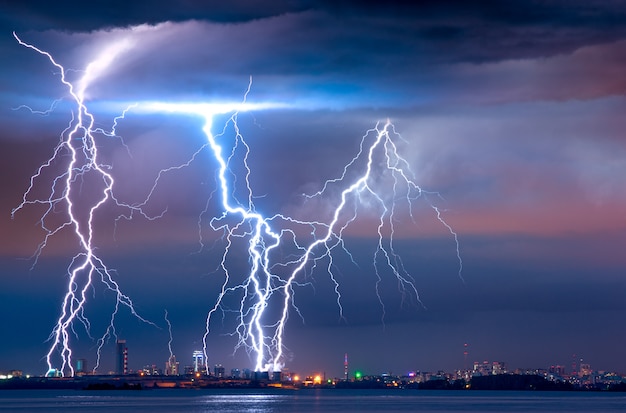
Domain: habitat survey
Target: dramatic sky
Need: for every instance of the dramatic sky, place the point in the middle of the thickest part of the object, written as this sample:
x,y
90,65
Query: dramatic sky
x,y
513,111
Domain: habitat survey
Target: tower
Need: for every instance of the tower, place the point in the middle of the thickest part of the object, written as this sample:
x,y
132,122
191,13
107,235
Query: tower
x,y
345,367
198,361
121,362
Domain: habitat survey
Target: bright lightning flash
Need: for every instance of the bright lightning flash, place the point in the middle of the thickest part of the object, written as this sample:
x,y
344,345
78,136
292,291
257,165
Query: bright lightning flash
x,y
78,141
378,180
271,279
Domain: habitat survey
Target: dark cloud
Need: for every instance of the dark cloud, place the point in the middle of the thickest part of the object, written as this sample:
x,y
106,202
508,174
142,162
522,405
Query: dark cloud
x,y
75,16
429,31
481,31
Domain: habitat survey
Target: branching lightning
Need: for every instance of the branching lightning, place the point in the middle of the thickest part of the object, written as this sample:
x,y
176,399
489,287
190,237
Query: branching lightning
x,y
269,279
78,140
282,251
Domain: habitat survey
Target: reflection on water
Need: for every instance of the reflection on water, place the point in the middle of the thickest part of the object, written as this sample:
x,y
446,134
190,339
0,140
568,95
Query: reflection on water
x,y
258,403
306,401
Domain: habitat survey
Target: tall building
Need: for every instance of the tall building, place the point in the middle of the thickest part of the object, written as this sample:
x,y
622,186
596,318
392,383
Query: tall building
x,y
81,367
121,361
198,362
171,366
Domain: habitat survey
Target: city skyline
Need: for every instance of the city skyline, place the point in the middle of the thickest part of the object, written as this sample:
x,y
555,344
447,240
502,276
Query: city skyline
x,y
577,372
510,114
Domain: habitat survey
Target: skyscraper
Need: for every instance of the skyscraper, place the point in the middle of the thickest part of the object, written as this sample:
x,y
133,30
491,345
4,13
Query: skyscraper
x,y
121,362
198,361
171,366
81,367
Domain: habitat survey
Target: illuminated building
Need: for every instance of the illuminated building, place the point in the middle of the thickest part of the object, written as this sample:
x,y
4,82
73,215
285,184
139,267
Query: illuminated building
x,y
171,366
198,361
150,370
121,362
585,369
219,370
81,367
486,368
498,367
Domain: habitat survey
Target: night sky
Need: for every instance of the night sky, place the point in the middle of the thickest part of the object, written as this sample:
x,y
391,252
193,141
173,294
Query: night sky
x,y
513,111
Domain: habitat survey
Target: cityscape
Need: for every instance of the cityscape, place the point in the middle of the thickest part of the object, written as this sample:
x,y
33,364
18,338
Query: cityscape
x,y
195,372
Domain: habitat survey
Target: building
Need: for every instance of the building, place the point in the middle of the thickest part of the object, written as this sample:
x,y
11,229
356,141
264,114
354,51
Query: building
x,y
150,370
585,369
172,367
121,361
81,367
198,362
498,367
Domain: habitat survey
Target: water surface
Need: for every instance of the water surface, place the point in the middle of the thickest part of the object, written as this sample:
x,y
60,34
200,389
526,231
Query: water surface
x,y
306,401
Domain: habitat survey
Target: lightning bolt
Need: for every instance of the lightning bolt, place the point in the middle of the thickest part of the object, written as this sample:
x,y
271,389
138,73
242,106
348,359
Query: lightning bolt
x,y
171,338
270,280
282,251
78,140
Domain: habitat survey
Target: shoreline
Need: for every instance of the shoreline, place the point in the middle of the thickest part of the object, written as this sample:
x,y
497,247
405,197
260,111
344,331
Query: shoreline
x,y
109,382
